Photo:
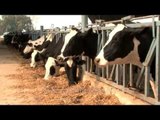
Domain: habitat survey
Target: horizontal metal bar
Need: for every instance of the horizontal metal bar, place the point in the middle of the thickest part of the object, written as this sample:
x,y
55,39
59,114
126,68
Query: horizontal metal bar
x,y
128,17
139,25
144,17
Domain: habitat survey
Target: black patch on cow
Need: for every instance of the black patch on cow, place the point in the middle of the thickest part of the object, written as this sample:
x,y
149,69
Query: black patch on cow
x,y
52,70
120,46
145,37
37,57
71,73
54,48
43,46
27,55
75,46
30,44
80,73
82,42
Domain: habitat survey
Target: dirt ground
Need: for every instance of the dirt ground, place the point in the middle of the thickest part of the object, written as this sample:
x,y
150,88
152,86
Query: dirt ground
x,y
22,85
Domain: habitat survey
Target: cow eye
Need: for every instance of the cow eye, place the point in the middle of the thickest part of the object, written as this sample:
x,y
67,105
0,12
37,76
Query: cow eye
x,y
29,44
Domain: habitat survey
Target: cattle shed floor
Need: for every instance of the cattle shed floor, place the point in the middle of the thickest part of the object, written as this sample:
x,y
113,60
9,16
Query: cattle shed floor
x,y
22,85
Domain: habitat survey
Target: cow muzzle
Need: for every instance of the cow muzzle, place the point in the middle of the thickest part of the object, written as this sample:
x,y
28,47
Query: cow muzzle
x,y
96,60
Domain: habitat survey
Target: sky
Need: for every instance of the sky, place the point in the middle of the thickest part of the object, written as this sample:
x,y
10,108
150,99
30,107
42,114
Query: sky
x,y
60,20
55,20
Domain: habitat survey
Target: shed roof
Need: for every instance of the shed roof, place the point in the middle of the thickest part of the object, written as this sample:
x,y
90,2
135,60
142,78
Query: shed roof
x,y
108,17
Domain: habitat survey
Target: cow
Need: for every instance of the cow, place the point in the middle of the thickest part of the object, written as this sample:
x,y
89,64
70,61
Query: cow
x,y
37,46
77,44
19,41
127,45
31,44
52,66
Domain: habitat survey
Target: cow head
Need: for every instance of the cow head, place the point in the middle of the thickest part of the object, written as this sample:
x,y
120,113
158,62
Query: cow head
x,y
29,47
123,47
76,43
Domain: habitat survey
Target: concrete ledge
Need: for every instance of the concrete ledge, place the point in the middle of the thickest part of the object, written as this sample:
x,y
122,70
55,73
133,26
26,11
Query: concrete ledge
x,y
123,97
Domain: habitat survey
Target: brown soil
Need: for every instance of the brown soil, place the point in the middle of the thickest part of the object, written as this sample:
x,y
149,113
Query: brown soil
x,y
21,85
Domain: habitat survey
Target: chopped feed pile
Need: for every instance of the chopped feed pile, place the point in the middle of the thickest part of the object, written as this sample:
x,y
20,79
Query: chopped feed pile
x,y
35,90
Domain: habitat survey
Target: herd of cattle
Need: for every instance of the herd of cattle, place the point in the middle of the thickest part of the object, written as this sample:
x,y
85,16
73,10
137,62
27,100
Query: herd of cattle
x,y
124,45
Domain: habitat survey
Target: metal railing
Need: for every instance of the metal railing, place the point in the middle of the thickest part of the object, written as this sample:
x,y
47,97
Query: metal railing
x,y
127,77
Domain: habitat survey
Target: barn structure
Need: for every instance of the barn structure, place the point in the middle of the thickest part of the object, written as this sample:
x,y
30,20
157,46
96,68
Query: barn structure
x,y
122,79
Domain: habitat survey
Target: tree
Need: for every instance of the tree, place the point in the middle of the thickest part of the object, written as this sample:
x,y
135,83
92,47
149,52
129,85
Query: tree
x,y
15,23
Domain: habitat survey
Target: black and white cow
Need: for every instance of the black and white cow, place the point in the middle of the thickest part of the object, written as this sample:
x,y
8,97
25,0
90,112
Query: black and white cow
x,y
77,43
52,66
126,45
19,41
36,47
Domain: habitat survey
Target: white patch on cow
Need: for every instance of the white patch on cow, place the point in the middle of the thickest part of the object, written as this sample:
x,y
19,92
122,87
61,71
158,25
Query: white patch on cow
x,y
67,39
49,37
100,56
132,57
42,50
51,62
70,62
30,48
118,28
33,55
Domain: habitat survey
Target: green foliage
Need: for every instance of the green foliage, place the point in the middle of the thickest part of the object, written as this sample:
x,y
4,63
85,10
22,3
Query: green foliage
x,y
10,23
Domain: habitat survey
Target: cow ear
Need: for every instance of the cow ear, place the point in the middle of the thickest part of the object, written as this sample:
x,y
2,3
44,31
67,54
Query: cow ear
x,y
137,31
88,32
66,59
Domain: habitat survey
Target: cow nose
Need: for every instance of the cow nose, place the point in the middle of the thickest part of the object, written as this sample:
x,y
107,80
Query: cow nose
x,y
97,60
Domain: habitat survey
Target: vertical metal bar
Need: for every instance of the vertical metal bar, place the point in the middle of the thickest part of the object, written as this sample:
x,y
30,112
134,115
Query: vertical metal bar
x,y
158,65
112,71
103,42
41,30
107,71
107,67
84,19
139,79
124,76
91,66
153,27
117,78
131,75
88,64
147,78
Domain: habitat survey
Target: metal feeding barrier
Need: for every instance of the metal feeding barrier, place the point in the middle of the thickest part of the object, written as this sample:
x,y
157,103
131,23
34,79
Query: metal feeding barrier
x,y
127,77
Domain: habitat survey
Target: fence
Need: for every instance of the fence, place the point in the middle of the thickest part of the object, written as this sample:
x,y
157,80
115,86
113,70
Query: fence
x,y
127,77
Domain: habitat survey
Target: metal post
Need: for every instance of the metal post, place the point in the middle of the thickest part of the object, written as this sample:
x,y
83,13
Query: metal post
x,y
124,76
117,78
84,22
84,19
103,42
41,30
147,78
158,65
131,75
